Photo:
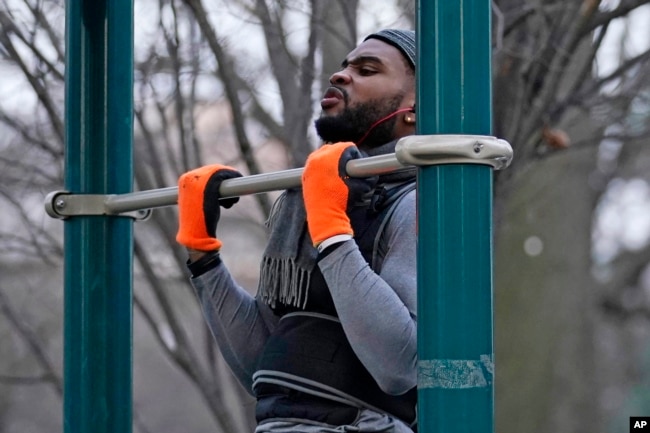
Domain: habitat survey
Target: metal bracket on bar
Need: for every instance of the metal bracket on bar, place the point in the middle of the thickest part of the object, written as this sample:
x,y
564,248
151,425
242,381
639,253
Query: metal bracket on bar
x,y
454,149
411,150
63,204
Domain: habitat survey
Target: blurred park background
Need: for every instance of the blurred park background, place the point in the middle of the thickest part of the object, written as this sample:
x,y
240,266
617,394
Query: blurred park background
x,y
238,82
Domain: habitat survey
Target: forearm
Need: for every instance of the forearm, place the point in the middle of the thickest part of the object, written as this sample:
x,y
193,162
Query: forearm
x,y
235,319
379,324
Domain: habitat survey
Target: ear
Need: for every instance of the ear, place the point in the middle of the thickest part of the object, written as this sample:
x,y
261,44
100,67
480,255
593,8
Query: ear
x,y
409,118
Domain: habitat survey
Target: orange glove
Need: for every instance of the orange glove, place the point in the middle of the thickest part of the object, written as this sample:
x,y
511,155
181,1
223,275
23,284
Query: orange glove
x,y
199,206
328,192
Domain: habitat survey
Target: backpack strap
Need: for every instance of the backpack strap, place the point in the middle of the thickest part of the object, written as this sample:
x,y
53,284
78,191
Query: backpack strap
x,y
391,204
370,222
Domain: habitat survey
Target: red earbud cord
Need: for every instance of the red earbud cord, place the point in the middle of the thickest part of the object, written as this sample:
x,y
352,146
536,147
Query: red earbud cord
x,y
383,119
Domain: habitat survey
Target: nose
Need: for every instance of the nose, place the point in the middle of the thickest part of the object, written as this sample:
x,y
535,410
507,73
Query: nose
x,y
340,77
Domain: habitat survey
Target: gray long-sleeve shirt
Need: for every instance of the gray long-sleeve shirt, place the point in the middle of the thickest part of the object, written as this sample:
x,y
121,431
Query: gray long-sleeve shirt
x,y
377,311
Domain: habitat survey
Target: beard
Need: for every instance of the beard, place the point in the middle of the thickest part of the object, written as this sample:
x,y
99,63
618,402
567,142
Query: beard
x,y
355,122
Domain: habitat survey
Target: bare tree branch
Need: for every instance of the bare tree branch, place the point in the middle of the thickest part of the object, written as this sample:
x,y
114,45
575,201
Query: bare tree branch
x,y
623,9
25,380
43,23
617,309
32,341
39,88
229,80
579,15
582,77
53,148
37,235
182,352
597,85
282,63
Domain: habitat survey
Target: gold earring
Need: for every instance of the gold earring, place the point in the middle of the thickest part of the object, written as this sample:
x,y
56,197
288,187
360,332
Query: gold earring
x,y
409,118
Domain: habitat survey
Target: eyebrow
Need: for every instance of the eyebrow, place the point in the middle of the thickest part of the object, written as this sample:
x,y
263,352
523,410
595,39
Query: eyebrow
x,y
361,59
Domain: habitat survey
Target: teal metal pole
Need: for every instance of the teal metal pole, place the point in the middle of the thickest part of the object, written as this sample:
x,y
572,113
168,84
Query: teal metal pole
x,y
455,330
98,249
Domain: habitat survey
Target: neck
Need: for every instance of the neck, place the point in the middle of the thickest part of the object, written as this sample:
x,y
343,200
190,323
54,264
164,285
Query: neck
x,y
382,120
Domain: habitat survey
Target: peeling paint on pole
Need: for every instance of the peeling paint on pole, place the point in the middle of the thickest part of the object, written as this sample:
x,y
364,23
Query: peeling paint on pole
x,y
456,373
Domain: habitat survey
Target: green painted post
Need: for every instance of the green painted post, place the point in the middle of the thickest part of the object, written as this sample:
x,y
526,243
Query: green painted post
x,y
455,330
98,249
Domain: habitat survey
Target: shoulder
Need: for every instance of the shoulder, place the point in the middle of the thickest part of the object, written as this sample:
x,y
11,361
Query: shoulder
x,y
406,203
398,236
403,215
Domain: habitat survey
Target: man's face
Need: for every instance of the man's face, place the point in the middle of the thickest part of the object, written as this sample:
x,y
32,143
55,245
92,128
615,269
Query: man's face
x,y
375,81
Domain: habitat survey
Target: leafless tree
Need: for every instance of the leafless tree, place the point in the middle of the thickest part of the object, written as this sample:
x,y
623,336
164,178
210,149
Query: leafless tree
x,y
571,110
201,96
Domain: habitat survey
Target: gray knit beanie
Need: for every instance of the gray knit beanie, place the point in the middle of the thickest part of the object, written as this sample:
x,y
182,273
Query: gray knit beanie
x,y
403,40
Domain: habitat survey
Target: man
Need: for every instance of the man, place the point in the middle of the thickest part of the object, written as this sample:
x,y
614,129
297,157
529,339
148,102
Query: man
x,y
329,342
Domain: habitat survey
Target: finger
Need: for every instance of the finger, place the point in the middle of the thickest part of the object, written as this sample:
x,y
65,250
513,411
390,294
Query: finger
x,y
214,184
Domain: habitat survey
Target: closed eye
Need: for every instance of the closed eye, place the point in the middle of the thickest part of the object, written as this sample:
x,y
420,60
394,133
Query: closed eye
x,y
365,65
367,72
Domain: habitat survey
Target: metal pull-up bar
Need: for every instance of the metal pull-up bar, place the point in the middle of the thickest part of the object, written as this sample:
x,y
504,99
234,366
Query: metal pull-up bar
x,y
413,150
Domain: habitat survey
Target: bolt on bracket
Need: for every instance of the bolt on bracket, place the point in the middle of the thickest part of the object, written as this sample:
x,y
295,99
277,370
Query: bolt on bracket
x,y
63,204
